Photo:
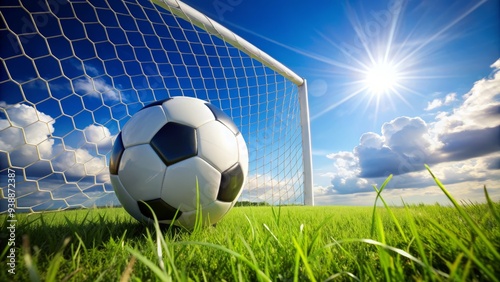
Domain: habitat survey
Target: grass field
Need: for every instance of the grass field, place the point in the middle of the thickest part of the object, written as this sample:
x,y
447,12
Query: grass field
x,y
296,243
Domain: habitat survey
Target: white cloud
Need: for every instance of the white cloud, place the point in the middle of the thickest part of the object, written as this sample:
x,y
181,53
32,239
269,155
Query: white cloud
x,y
450,98
96,133
437,103
405,135
91,70
480,109
496,65
22,115
99,135
372,140
96,87
463,179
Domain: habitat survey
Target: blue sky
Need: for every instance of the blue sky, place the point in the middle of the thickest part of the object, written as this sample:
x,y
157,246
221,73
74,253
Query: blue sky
x,y
439,103
443,110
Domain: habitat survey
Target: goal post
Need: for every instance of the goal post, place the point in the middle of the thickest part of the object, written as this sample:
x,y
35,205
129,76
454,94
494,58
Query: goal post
x,y
306,144
72,73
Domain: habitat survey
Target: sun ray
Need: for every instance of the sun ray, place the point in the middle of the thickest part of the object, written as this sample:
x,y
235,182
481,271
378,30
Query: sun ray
x,y
356,25
350,56
433,37
308,54
401,96
392,32
334,105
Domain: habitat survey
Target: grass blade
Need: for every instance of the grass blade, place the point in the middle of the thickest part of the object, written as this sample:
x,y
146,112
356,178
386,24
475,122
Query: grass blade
x,y
302,255
272,234
56,262
128,270
277,215
153,267
235,254
392,249
418,241
389,210
464,249
162,245
338,275
32,270
491,206
466,217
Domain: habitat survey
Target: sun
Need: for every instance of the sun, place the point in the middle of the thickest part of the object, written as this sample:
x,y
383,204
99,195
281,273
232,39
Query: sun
x,y
381,78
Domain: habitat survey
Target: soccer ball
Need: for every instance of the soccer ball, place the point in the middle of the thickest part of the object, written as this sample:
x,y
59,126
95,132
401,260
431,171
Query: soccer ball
x,y
176,155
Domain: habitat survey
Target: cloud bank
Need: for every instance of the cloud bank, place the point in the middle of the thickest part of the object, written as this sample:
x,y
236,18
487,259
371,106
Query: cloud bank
x,y
462,144
79,160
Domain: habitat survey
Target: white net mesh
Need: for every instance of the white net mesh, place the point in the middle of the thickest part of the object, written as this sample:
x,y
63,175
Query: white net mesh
x,y
73,73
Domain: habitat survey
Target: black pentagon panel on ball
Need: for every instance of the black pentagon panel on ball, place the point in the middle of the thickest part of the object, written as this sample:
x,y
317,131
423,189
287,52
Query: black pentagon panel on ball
x,y
155,103
223,118
175,142
162,210
231,183
116,155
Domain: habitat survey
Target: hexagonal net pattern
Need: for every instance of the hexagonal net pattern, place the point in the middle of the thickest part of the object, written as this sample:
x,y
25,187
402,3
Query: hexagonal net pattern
x,y
74,72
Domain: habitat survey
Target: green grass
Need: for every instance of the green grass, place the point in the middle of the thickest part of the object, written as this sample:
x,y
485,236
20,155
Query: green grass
x,y
413,242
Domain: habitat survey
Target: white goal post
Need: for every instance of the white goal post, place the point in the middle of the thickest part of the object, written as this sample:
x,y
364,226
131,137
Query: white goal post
x,y
73,72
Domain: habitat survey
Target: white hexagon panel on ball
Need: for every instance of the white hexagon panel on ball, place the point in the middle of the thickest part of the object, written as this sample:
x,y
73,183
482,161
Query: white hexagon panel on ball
x,y
188,111
218,145
141,171
136,132
179,186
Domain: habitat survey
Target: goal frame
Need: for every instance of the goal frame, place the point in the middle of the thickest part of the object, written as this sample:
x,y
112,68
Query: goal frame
x,y
200,20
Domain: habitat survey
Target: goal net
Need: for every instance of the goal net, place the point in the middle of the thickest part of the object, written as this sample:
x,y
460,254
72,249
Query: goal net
x,y
72,73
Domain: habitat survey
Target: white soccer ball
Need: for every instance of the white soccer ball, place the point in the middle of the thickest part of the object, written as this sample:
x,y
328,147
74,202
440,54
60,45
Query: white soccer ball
x,y
166,149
